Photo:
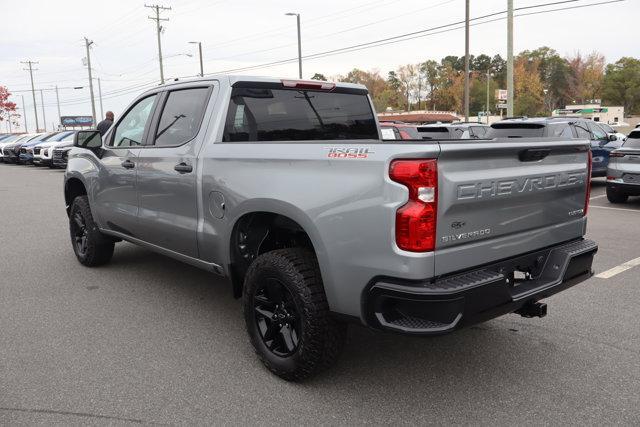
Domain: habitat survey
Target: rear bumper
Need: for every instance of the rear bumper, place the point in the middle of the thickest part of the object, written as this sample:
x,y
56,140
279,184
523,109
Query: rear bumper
x,y
624,188
458,300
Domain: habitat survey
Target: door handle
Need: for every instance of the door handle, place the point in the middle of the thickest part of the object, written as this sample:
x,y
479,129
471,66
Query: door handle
x,y
183,167
128,164
533,154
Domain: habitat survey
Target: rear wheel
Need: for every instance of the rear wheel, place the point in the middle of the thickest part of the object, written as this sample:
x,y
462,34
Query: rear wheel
x,y
615,196
92,248
287,315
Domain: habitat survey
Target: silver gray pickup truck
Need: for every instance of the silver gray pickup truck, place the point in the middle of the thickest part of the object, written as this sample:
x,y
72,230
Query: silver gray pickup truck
x,y
286,188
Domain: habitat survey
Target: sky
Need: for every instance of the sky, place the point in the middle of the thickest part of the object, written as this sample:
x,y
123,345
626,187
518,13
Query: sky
x,y
237,34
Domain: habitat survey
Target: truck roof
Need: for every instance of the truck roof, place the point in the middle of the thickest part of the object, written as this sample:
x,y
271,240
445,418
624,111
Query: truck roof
x,y
232,79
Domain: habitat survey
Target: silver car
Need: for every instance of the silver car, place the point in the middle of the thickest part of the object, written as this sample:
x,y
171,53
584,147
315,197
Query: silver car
x,y
623,174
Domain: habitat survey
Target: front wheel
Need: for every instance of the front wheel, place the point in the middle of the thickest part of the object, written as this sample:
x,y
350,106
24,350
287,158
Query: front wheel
x,y
615,196
92,248
287,315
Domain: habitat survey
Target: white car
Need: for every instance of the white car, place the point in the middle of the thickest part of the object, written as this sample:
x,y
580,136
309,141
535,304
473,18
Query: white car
x,y
43,153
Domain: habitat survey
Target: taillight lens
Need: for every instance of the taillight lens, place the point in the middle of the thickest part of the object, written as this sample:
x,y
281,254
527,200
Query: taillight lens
x,y
308,84
416,219
586,201
616,154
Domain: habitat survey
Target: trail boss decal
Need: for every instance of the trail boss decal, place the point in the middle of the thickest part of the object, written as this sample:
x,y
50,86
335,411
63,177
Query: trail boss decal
x,y
348,152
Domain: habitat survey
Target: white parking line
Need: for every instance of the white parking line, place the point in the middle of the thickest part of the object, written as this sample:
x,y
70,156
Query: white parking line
x,y
597,197
618,269
614,209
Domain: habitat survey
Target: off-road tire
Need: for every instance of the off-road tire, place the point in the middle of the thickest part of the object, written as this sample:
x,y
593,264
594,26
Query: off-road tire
x,y
321,338
98,247
615,196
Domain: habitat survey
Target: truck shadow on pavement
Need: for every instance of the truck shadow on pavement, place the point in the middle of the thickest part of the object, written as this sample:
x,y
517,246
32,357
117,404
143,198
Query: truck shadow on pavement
x,y
387,362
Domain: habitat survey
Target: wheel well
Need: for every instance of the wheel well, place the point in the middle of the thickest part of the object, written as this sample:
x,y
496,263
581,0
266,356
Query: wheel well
x,y
259,232
72,189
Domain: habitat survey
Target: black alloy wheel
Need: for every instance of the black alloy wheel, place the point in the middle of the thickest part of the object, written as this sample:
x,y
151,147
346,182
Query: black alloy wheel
x,y
80,233
277,318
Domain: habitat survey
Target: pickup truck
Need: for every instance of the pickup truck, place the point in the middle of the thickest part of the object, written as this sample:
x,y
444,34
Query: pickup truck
x,y
286,188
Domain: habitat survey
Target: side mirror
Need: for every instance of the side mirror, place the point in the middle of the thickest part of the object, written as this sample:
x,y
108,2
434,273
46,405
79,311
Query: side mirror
x,y
88,139
613,137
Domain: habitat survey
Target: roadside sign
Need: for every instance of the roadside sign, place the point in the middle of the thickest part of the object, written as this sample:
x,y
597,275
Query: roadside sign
x,y
502,106
76,120
501,94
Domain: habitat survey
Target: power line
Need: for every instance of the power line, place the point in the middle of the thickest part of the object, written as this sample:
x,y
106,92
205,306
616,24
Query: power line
x,y
404,37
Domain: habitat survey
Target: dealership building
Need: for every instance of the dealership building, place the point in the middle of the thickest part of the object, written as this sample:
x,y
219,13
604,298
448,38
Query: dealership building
x,y
595,112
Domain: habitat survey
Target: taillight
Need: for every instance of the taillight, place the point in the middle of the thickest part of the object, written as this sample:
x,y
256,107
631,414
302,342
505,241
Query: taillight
x,y
616,154
308,84
416,219
586,201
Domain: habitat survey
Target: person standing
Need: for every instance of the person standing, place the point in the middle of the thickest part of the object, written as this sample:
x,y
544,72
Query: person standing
x,y
104,125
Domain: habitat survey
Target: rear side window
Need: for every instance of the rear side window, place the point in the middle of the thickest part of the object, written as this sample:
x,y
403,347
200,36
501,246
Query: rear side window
x,y
266,114
181,116
559,130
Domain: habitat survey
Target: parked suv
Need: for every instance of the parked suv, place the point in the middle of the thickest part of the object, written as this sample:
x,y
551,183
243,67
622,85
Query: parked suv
x,y
561,127
470,130
25,150
286,188
43,152
11,151
623,174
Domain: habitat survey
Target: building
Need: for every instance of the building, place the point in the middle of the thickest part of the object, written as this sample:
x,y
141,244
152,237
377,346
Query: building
x,y
595,112
419,116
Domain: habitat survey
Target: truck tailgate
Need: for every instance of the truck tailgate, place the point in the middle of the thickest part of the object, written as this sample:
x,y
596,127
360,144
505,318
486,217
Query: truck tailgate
x,y
500,198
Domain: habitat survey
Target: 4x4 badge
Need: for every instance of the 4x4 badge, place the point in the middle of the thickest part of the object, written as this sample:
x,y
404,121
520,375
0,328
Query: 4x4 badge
x,y
457,224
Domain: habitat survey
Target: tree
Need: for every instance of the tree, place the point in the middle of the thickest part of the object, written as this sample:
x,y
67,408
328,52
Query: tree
x,y
407,75
7,108
318,76
621,84
586,76
529,91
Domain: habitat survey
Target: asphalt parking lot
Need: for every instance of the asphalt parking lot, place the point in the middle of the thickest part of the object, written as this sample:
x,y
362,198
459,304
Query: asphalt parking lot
x,y
148,339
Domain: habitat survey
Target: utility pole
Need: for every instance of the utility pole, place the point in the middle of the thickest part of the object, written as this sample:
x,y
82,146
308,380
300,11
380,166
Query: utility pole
x,y
466,62
88,43
488,81
200,53
510,58
100,96
33,91
44,119
157,18
58,102
297,15
24,113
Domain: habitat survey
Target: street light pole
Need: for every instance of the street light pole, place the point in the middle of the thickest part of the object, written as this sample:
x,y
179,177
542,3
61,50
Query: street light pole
x,y
44,119
510,58
297,15
58,102
488,81
200,54
466,62
24,113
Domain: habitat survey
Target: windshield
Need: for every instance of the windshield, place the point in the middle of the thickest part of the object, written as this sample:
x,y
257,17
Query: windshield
x,y
60,136
607,128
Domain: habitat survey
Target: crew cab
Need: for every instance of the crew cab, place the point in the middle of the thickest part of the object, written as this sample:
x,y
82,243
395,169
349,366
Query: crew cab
x,y
286,188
